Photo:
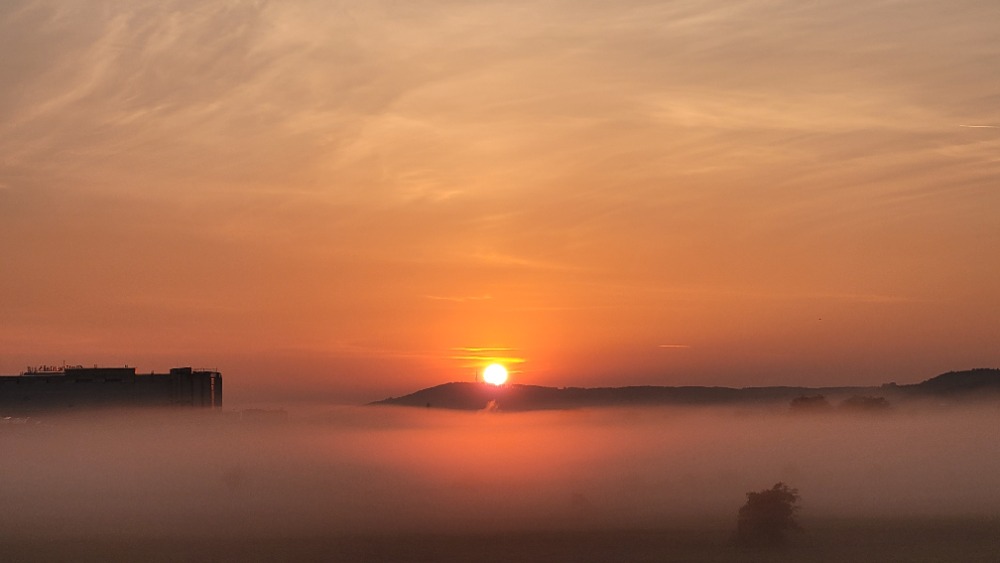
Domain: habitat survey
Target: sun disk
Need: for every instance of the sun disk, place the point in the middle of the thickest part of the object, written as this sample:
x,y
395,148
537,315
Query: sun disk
x,y
495,374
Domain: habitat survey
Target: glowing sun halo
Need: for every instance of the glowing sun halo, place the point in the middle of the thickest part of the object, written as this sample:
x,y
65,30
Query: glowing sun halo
x,y
495,374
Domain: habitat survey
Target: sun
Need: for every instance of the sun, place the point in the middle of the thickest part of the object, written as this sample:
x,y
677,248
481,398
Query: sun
x,y
495,374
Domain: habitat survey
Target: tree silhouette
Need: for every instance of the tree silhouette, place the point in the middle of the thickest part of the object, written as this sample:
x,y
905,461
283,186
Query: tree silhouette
x,y
766,516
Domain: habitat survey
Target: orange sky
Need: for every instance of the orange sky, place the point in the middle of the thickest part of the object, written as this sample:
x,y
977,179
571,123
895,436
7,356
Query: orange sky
x,y
351,200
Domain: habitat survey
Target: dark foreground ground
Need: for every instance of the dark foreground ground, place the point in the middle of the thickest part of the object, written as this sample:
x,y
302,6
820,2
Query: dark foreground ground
x,y
856,540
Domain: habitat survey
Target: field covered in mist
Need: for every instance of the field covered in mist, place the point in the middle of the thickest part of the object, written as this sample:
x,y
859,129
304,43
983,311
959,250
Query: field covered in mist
x,y
671,479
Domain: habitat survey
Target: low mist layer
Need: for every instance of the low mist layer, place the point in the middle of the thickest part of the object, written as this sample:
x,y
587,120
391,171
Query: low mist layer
x,y
386,469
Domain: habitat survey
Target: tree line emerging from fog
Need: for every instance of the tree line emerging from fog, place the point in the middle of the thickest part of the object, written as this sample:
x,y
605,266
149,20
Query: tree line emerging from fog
x,y
856,403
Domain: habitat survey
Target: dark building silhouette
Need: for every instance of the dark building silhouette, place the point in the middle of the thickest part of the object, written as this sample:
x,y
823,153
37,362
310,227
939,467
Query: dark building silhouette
x,y
82,387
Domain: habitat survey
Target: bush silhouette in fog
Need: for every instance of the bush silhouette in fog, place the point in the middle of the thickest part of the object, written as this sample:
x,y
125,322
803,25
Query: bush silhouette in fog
x,y
766,516
809,403
861,403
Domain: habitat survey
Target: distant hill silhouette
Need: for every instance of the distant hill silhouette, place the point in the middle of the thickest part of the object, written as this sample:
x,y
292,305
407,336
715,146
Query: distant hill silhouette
x,y
518,397
980,380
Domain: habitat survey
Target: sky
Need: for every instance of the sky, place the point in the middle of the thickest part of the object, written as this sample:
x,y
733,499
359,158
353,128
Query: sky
x,y
344,201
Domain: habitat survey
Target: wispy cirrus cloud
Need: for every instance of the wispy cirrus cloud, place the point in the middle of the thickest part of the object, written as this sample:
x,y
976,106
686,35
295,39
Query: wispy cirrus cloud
x,y
581,166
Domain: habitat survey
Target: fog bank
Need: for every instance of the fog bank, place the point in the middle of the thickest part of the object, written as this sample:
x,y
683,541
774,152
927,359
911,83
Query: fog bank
x,y
384,469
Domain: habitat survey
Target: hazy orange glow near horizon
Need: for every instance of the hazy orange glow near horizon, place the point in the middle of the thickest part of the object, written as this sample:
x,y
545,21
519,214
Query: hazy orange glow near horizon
x,y
349,201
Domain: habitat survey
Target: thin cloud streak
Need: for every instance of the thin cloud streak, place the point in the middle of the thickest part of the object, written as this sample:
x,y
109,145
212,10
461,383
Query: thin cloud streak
x,y
488,357
459,299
